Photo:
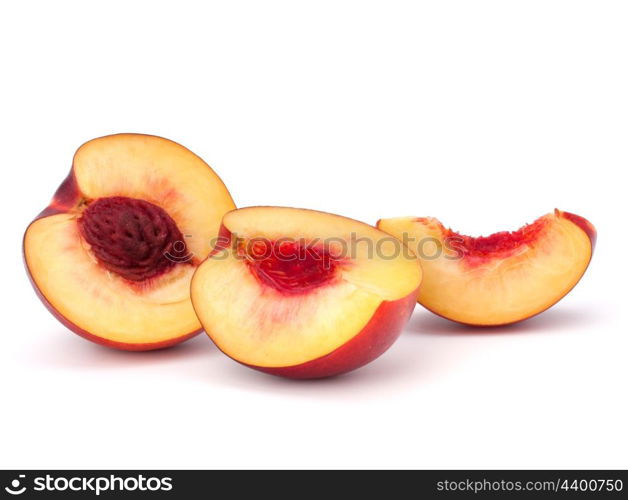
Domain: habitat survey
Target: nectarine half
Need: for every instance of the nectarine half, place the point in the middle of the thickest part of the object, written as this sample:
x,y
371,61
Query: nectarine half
x,y
113,254
304,294
498,279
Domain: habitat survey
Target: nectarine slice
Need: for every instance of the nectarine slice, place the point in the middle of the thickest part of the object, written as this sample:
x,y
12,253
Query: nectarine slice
x,y
113,254
304,294
498,279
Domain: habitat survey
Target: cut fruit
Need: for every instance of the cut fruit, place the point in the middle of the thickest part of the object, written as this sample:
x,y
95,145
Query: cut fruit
x,y
498,279
113,254
304,294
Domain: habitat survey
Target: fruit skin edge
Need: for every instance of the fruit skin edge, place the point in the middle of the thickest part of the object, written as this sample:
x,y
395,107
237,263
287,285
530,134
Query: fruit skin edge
x,y
381,332
124,346
583,224
66,197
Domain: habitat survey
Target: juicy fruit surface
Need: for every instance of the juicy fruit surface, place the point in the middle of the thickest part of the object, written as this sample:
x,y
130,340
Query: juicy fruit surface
x,y
373,340
113,254
133,238
99,302
500,279
296,311
290,267
503,243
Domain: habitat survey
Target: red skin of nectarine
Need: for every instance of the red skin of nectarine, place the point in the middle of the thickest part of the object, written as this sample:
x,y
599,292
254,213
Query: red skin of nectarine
x,y
102,341
66,197
376,337
585,225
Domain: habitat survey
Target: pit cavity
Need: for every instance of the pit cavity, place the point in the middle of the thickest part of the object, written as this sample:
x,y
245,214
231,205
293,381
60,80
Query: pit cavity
x,y
132,238
290,267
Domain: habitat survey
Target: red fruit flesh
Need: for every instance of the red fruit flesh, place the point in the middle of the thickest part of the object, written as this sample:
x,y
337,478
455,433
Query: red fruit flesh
x,y
290,267
502,243
131,237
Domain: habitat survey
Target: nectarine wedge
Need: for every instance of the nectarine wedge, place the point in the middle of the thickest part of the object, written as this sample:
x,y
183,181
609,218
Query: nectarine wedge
x,y
113,254
304,294
498,279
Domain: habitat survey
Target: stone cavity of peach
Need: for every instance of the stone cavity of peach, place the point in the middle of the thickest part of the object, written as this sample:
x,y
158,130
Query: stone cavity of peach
x,y
292,267
131,237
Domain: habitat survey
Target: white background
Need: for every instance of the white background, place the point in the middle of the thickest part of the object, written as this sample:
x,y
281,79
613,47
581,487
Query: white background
x,y
486,114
